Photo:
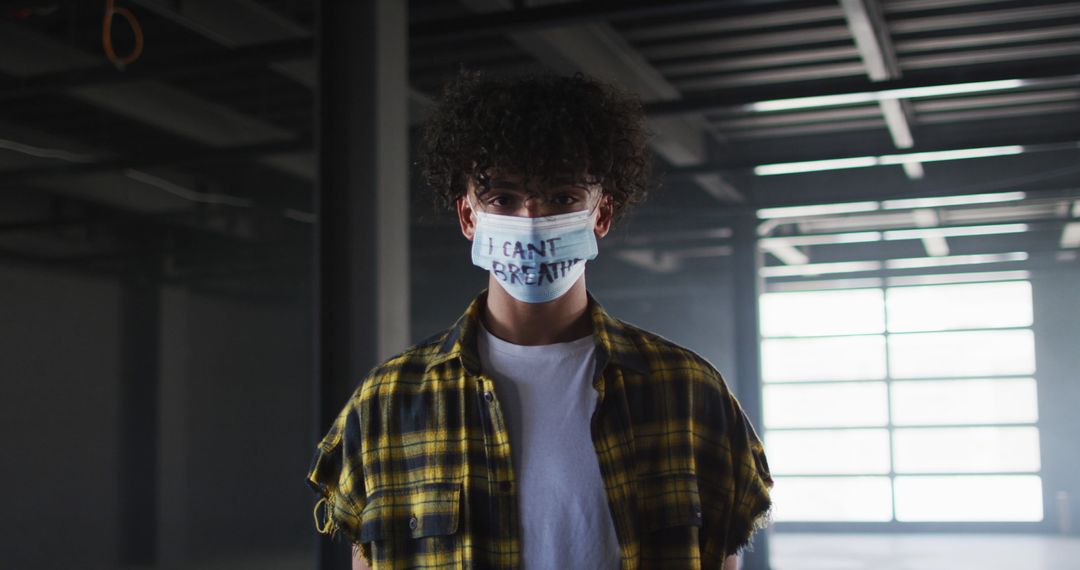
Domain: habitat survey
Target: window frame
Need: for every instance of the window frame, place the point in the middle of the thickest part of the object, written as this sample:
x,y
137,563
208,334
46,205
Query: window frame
x,y
895,525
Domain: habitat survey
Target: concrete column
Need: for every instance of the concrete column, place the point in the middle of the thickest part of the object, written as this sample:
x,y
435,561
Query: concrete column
x,y
140,314
174,494
748,287
1056,296
361,252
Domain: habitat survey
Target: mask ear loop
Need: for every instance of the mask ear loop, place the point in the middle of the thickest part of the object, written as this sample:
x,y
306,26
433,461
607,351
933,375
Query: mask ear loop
x,y
474,208
599,199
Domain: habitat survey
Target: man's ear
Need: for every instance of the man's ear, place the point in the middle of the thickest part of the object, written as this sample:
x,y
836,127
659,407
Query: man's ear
x,y
604,212
465,217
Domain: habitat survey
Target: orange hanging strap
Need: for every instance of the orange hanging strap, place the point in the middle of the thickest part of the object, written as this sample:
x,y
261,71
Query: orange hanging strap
x,y
106,35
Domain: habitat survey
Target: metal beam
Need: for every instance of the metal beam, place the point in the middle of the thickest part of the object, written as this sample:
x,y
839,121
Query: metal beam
x,y
142,187
243,57
790,97
871,34
1029,147
257,150
238,24
877,274
28,53
911,189
572,13
248,25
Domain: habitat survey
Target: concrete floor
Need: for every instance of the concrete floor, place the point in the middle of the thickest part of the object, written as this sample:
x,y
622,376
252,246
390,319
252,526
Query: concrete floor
x,y
790,551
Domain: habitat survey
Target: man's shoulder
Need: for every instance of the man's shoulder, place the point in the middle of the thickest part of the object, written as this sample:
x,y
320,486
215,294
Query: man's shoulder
x,y
408,365
662,356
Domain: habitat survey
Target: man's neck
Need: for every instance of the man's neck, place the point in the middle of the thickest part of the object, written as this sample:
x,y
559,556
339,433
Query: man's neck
x,y
532,324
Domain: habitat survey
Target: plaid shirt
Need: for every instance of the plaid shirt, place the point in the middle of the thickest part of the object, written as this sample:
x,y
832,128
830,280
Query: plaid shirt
x,y
416,469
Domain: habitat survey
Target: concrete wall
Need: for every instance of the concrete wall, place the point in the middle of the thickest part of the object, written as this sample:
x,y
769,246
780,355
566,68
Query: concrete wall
x,y
1057,359
237,435
235,427
59,403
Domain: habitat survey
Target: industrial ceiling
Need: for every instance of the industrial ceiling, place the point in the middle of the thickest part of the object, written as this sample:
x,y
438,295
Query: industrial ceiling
x,y
196,158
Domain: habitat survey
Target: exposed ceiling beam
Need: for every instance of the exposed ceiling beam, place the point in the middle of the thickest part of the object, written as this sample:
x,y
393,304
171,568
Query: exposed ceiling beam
x,y
982,40
887,266
722,44
24,53
48,164
1057,188
1054,13
786,253
791,97
259,55
868,29
247,24
146,188
731,21
113,164
239,24
871,34
598,50
574,13
1070,235
233,23
920,154
936,245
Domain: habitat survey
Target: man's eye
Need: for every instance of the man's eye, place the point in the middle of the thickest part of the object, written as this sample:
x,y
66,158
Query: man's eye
x,y
565,199
499,201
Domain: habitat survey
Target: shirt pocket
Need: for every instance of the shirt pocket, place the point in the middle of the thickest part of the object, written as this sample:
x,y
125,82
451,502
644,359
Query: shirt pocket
x,y
415,526
671,521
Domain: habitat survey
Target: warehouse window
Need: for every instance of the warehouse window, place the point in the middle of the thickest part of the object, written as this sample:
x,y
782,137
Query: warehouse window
x,y
909,404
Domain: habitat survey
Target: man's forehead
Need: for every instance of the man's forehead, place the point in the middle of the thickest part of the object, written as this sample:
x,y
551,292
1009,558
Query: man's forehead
x,y
512,183
510,180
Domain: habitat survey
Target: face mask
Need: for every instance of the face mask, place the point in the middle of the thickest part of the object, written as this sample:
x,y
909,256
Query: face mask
x,y
534,259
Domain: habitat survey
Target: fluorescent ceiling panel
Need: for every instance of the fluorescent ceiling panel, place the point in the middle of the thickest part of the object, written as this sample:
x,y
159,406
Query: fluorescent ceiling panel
x,y
875,96
817,210
952,200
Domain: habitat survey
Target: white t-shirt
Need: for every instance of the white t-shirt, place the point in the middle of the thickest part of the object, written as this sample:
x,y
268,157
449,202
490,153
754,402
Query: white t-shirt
x,y
547,400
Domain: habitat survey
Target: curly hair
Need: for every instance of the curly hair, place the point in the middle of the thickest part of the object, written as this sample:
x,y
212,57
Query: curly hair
x,y
541,127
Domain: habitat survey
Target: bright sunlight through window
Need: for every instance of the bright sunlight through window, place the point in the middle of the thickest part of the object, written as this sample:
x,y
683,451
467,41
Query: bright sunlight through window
x,y
908,404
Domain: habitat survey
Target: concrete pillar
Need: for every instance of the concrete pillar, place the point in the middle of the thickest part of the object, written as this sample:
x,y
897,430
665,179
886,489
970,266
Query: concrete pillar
x,y
174,413
1056,297
362,252
140,314
748,287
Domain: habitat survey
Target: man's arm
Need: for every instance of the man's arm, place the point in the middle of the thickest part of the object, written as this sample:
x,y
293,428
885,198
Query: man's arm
x,y
359,564
730,563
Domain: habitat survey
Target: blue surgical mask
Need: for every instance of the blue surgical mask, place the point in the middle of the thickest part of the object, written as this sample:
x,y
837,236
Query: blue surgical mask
x,y
535,260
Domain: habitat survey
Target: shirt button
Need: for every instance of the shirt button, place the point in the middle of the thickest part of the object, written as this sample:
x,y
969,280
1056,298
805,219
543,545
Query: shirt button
x,y
412,523
697,514
488,397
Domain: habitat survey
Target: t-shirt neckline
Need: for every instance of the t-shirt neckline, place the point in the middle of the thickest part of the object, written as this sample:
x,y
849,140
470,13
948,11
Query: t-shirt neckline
x,y
540,350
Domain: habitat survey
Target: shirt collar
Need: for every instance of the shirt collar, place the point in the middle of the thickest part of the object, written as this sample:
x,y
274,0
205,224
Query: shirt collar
x,y
614,343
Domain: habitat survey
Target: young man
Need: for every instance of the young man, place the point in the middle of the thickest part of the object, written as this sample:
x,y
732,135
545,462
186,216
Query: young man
x,y
538,431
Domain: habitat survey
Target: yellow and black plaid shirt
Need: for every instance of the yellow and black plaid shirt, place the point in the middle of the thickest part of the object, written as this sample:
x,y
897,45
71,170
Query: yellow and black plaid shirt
x,y
416,469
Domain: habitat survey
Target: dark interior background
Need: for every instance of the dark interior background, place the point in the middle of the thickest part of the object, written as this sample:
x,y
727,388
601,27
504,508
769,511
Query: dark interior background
x,y
158,225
